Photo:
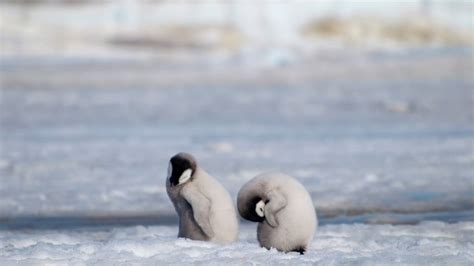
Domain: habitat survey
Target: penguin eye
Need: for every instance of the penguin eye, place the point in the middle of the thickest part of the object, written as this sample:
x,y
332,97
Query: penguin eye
x,y
259,208
170,170
185,176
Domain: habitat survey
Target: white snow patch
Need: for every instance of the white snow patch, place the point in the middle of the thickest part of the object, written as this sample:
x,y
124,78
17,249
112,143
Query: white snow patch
x,y
427,243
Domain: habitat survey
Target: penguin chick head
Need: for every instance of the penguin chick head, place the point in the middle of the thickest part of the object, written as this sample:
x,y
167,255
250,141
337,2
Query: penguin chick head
x,y
181,168
253,210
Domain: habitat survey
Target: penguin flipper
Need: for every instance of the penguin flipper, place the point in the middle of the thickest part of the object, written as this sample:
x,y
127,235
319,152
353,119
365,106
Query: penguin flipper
x,y
276,202
201,206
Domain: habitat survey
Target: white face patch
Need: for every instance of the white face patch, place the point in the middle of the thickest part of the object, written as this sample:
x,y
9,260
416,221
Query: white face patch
x,y
170,170
259,208
185,176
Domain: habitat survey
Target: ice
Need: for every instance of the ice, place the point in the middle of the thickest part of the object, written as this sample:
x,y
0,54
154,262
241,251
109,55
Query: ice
x,y
78,141
378,138
429,243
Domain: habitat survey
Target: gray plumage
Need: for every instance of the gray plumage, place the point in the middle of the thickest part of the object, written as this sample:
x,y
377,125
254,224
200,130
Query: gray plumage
x,y
204,207
283,209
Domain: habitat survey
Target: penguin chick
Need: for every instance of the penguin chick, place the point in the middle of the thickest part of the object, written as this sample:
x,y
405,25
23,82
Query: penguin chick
x,y
283,209
204,207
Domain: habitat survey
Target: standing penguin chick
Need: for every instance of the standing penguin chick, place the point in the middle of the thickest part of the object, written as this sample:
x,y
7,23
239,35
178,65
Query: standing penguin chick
x,y
205,209
283,209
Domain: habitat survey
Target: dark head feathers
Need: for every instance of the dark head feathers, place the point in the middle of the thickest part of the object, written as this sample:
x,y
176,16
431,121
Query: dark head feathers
x,y
180,163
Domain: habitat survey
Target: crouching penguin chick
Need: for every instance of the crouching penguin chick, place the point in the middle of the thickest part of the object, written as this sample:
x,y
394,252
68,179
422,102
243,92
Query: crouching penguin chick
x,y
204,207
283,209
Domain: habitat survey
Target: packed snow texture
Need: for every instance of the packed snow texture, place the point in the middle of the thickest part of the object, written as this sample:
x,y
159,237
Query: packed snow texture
x,y
429,243
386,136
377,133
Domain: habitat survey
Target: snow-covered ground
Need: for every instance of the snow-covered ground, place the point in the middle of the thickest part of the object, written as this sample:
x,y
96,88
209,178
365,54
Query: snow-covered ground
x,y
377,133
376,137
370,105
429,243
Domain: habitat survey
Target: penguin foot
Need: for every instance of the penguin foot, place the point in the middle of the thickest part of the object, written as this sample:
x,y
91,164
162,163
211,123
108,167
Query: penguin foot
x,y
300,250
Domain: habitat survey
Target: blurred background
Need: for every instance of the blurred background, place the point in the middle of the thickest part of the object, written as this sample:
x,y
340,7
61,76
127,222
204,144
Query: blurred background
x,y
369,104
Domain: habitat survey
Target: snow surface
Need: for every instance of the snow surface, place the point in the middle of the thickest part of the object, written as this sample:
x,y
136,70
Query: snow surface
x,y
375,137
96,137
429,243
